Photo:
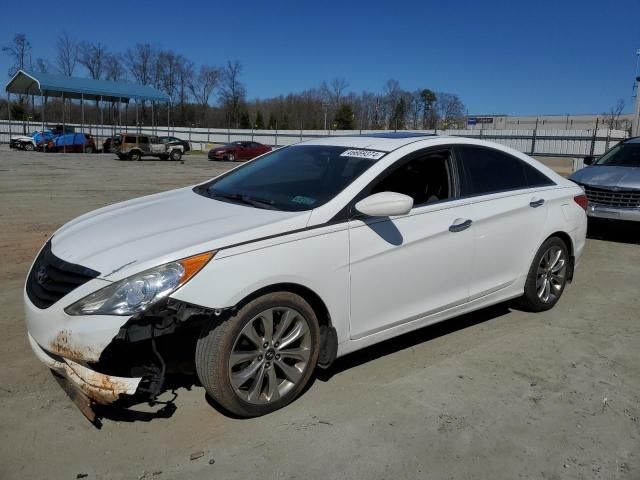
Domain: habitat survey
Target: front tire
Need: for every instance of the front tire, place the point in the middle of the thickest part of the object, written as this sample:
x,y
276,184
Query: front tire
x,y
135,156
230,157
176,155
260,359
547,276
88,149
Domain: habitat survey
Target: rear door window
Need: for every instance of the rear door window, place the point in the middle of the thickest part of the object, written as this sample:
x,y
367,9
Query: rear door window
x,y
486,170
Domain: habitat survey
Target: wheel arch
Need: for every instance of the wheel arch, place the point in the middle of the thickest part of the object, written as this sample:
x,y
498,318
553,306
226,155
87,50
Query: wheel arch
x,y
328,334
312,298
568,241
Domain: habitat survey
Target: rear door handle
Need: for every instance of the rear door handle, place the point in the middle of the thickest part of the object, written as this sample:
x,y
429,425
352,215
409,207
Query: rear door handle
x,y
536,202
459,225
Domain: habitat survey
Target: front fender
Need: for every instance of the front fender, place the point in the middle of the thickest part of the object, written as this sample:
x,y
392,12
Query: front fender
x,y
318,261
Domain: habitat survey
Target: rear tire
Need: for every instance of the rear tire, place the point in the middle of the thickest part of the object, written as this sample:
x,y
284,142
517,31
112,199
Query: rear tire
x,y
29,147
260,359
135,156
547,276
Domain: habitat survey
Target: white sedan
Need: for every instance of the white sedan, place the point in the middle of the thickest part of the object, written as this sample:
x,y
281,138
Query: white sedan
x,y
294,259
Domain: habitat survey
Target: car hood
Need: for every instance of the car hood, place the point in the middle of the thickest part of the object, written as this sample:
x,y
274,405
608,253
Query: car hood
x,y
131,236
23,138
608,176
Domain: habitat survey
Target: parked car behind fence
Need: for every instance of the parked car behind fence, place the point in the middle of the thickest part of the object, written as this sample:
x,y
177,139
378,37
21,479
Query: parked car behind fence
x,y
238,151
72,142
176,141
134,147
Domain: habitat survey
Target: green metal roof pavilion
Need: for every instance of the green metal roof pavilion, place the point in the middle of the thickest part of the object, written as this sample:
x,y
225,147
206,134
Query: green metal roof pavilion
x,y
44,85
28,83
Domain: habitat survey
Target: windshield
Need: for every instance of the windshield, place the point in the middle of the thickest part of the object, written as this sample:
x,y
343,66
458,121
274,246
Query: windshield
x,y
624,155
293,179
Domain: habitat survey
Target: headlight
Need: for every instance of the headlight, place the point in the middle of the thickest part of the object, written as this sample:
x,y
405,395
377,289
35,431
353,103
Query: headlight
x,y
134,294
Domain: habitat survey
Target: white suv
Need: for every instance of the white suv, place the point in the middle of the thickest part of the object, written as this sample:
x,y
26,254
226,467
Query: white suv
x,y
294,259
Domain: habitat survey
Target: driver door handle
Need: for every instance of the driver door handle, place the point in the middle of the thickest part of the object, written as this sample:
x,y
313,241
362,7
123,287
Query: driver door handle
x,y
460,224
536,202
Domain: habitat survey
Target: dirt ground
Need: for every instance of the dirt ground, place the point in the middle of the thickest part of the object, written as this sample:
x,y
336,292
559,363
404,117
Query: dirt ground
x,y
499,394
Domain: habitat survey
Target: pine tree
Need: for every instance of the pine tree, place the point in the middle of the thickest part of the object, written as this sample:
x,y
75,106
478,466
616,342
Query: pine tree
x,y
245,121
259,120
344,117
273,123
397,120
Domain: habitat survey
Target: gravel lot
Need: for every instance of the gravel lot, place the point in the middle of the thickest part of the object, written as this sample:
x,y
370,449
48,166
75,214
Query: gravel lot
x,y
499,394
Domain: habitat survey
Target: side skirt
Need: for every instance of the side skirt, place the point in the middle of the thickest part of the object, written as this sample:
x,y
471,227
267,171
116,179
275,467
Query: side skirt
x,y
482,302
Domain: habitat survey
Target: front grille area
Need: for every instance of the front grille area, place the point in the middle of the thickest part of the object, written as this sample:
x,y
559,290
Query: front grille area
x,y
51,278
613,198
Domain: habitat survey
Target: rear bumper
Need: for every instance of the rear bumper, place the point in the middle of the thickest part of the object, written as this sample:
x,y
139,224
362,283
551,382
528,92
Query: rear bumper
x,y
96,387
602,211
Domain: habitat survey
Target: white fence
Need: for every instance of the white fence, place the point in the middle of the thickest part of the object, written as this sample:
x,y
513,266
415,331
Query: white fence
x,y
543,143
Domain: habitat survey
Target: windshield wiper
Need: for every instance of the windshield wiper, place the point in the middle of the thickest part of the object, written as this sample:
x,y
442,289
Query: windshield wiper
x,y
244,199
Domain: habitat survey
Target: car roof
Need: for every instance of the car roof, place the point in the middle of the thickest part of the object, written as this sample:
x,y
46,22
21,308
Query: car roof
x,y
384,142
632,140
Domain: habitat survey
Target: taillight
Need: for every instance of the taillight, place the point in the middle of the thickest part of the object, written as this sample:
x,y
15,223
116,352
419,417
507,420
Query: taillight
x,y
582,201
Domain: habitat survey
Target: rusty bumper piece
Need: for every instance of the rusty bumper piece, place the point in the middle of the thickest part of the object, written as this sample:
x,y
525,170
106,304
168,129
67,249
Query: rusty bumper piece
x,y
85,386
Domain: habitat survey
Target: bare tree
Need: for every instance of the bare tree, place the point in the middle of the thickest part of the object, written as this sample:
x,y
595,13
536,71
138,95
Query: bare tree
x,y
338,87
415,105
202,86
392,96
185,73
93,57
67,54
232,91
612,118
114,67
19,50
140,60
450,109
42,65
167,73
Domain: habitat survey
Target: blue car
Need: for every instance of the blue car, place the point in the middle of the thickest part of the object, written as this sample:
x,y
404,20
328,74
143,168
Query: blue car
x,y
72,142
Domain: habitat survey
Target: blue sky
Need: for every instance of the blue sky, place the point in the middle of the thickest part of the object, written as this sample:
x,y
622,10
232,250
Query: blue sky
x,y
510,57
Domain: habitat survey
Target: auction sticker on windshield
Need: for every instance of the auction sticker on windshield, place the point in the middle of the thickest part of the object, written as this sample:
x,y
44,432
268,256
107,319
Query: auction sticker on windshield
x,y
363,154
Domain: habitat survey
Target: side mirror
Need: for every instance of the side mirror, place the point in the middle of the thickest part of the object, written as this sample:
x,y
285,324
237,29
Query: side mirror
x,y
385,204
589,160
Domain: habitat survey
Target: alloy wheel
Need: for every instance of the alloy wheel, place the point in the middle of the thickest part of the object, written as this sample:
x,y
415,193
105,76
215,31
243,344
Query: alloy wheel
x,y
551,274
270,355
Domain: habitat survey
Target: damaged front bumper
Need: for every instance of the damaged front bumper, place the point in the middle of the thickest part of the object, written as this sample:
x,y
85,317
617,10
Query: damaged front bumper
x,y
86,387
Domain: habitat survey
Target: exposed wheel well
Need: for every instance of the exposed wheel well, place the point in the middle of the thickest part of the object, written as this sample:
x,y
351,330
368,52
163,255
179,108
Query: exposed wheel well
x,y
309,296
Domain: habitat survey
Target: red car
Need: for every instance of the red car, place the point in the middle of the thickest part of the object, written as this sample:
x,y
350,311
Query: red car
x,y
238,151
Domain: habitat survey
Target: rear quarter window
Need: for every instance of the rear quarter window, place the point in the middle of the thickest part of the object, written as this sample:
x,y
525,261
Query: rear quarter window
x,y
129,139
486,170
